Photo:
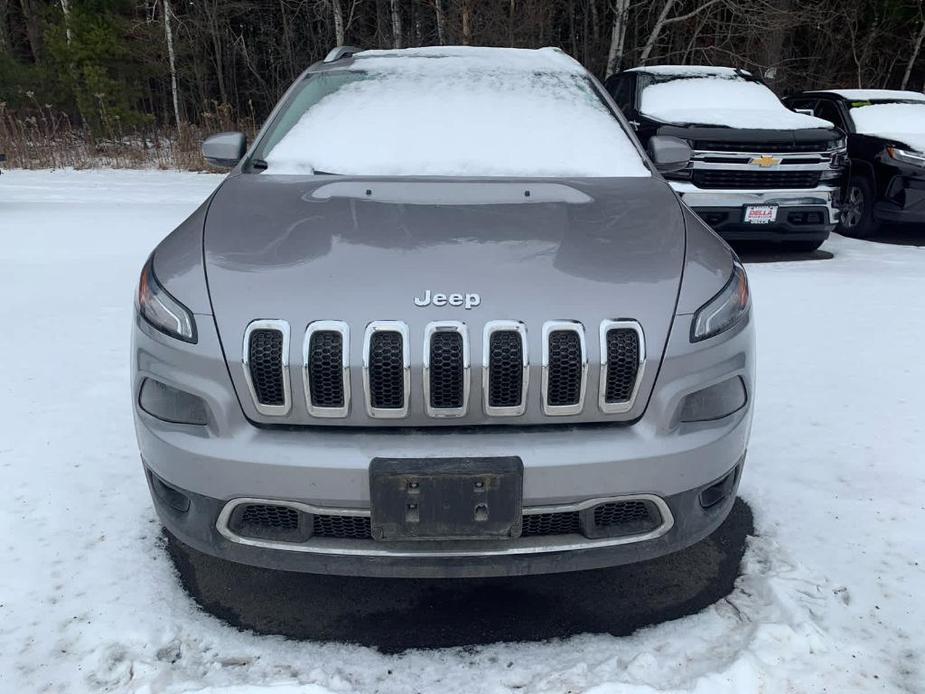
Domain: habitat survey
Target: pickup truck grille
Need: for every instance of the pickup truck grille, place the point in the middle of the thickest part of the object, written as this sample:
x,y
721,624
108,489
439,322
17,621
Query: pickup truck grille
x,y
446,374
760,147
741,179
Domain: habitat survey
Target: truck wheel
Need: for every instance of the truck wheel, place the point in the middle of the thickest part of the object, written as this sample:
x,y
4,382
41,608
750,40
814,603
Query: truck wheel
x,y
857,212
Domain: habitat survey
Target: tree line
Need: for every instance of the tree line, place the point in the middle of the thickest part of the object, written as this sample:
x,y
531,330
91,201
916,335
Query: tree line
x,y
127,65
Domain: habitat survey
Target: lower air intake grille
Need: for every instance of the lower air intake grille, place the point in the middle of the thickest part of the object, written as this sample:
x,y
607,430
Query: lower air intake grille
x,y
505,369
325,366
343,527
565,367
386,370
264,516
551,524
265,361
446,370
622,364
731,178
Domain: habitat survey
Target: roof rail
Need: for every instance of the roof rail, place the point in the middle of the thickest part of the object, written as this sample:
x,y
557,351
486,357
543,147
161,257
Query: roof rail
x,y
341,52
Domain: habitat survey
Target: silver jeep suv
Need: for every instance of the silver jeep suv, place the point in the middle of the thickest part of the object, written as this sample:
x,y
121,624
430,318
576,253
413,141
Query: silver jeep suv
x,y
443,318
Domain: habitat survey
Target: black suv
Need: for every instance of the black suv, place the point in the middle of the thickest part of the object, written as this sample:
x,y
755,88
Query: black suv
x,y
759,171
886,141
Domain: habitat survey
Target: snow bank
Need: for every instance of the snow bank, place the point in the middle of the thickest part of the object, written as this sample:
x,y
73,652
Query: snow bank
x,y
831,591
901,122
718,100
460,112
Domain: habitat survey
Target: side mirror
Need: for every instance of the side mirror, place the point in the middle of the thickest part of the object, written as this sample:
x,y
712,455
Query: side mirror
x,y
224,149
668,153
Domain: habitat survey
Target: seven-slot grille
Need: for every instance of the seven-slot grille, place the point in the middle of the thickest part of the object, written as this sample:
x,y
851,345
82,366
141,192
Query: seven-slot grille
x,y
446,373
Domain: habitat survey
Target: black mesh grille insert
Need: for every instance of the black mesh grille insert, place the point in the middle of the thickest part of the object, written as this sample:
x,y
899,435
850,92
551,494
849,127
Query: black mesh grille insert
x,y
564,374
264,516
636,515
505,369
551,524
325,368
622,364
760,147
343,527
446,369
732,178
265,360
386,370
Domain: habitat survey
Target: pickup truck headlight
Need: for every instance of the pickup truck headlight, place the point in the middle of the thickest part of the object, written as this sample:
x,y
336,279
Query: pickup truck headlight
x,y
161,310
725,309
907,156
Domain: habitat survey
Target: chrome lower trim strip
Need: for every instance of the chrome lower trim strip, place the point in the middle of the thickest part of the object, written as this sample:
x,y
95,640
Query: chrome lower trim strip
x,y
627,405
283,327
388,326
548,328
492,327
429,331
344,330
372,548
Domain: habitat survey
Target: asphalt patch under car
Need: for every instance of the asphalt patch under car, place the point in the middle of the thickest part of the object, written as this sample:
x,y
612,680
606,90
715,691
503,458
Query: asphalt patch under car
x,y
394,615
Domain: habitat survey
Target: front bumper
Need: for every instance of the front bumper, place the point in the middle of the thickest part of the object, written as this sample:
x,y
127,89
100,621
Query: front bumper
x,y
803,215
328,467
904,200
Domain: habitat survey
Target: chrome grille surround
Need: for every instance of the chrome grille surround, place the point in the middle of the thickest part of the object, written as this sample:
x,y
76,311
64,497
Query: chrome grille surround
x,y
429,331
492,327
550,327
627,405
402,329
283,327
344,330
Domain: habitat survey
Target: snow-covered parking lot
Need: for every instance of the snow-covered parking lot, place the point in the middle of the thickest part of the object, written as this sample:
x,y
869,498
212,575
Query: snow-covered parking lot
x,y
832,587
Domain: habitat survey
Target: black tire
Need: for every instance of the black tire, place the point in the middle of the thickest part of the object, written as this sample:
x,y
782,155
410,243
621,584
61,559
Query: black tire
x,y
857,212
804,246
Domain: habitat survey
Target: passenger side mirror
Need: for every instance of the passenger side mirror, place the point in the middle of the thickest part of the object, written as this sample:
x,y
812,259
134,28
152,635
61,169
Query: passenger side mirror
x,y
668,153
224,149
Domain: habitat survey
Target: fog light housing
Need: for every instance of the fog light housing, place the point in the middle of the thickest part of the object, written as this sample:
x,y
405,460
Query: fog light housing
x,y
171,405
714,402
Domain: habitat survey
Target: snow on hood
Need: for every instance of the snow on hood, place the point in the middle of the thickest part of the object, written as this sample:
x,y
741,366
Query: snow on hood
x,y
901,122
718,100
460,112
875,94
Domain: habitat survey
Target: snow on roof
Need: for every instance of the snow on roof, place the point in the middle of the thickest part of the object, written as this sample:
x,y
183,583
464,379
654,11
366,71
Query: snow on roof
x,y
689,70
469,58
900,122
714,100
875,94
482,112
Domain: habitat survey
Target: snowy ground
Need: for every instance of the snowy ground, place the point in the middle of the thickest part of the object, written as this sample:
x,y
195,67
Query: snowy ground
x,y
831,596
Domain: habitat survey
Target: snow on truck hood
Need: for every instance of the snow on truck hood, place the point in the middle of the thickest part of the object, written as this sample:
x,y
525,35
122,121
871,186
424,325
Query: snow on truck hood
x,y
458,111
717,96
902,122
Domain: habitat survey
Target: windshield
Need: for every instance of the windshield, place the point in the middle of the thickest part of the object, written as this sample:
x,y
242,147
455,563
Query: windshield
x,y
413,121
900,120
726,97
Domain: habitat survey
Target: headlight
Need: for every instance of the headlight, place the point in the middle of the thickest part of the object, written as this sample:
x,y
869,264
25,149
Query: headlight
x,y
161,310
906,156
725,309
840,143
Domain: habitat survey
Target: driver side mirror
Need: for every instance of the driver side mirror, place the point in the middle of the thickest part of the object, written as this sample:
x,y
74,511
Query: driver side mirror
x,y
224,149
668,153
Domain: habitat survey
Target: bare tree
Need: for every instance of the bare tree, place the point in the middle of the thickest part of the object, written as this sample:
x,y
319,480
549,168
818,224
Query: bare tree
x,y
664,21
172,62
396,25
617,36
915,54
339,33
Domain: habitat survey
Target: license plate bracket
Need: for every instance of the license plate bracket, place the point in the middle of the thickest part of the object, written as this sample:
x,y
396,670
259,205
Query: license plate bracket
x,y
445,498
760,214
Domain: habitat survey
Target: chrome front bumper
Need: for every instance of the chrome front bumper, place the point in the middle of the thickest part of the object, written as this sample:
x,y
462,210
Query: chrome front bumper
x,y
821,196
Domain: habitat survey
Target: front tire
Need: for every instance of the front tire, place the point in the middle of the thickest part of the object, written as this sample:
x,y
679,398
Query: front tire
x,y
857,213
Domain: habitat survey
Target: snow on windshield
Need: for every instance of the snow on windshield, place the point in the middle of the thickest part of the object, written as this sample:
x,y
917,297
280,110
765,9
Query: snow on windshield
x,y
718,99
901,122
460,112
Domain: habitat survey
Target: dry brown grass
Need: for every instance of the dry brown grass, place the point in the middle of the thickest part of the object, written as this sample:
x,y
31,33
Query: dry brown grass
x,y
43,138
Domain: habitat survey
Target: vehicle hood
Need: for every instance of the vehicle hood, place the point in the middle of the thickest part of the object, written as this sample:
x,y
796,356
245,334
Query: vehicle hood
x,y
700,135
324,248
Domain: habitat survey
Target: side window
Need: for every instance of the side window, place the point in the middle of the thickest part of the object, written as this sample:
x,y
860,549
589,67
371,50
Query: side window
x,y
829,111
621,89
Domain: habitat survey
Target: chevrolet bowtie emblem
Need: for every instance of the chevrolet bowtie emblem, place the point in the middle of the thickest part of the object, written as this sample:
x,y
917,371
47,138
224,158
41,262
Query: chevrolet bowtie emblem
x,y
765,161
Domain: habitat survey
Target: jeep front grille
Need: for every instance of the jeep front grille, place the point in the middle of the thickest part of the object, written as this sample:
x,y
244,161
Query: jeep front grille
x,y
266,365
446,378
